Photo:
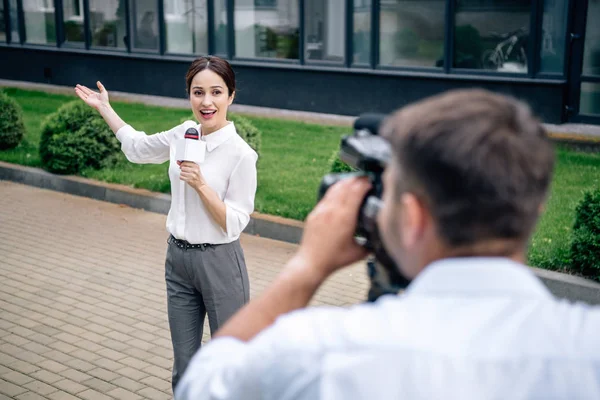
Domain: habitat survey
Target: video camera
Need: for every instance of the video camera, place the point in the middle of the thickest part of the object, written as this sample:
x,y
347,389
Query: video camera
x,y
368,154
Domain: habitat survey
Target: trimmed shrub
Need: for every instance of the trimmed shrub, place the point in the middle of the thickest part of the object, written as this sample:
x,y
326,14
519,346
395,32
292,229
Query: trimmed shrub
x,y
75,137
244,127
337,165
585,246
12,128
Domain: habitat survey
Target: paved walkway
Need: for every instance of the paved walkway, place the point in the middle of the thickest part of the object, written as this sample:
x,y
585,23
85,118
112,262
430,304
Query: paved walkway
x,y
82,299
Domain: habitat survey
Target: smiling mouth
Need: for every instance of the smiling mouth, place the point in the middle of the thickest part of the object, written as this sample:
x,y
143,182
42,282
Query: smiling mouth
x,y
207,112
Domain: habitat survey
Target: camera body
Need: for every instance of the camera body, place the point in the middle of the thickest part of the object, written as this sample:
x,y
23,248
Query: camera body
x,y
368,154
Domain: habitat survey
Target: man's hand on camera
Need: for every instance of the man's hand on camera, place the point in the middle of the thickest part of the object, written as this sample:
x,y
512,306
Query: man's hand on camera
x,y
328,240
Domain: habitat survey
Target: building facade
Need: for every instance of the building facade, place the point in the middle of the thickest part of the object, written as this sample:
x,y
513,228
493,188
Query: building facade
x,y
333,56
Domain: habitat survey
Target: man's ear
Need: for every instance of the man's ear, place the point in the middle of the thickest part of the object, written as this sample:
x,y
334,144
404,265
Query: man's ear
x,y
231,98
413,220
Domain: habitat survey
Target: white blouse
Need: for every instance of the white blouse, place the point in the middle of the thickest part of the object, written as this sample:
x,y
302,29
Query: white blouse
x,y
229,168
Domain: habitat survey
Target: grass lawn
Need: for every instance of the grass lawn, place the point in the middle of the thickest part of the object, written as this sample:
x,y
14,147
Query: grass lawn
x,y
294,157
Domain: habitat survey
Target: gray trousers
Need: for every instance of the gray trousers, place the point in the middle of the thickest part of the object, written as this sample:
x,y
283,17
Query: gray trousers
x,y
212,281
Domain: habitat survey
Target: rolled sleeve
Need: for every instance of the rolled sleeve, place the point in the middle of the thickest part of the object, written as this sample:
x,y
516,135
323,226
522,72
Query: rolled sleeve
x,y
141,148
239,199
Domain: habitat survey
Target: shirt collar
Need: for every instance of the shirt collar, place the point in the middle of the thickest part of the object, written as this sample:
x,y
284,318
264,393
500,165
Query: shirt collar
x,y
481,276
218,137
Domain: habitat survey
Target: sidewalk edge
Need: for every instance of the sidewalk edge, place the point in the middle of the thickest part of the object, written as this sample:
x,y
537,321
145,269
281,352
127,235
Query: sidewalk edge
x,y
262,225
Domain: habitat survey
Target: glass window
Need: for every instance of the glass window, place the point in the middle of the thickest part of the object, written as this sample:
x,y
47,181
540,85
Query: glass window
x,y
40,25
14,22
107,23
554,29
73,22
2,23
589,103
324,30
221,46
266,28
144,24
186,26
591,53
412,33
362,32
492,35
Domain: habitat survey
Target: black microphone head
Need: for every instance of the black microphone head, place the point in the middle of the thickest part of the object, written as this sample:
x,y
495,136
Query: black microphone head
x,y
192,133
370,122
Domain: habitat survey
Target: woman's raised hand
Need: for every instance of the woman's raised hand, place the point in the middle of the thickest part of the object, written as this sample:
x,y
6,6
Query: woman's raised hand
x,y
91,98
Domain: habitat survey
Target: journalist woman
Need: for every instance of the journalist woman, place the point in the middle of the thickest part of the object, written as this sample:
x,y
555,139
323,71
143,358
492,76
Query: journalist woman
x,y
211,203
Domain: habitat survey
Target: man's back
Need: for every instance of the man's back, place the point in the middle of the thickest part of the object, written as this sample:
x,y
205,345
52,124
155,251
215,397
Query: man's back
x,y
466,328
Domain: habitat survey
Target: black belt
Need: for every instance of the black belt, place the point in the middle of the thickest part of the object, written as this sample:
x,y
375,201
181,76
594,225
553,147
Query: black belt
x,y
184,244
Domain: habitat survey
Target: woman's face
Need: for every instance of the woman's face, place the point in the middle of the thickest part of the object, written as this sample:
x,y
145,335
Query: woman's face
x,y
209,100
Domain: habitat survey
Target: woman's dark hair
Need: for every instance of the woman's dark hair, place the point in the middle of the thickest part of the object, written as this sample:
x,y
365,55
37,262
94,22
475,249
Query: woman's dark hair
x,y
216,64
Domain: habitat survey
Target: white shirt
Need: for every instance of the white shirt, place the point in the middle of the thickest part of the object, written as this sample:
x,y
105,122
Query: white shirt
x,y
480,328
229,168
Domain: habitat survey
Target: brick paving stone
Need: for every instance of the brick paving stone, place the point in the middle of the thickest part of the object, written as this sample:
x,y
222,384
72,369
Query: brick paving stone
x,y
16,377
60,395
40,387
70,386
123,394
10,389
30,396
99,385
153,394
86,307
91,394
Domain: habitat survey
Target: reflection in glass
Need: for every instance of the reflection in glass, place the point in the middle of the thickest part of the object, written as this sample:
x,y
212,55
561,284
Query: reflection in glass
x,y
40,25
73,22
492,35
591,54
186,26
107,23
2,23
552,48
266,28
144,24
220,7
412,33
14,22
324,30
589,103
362,32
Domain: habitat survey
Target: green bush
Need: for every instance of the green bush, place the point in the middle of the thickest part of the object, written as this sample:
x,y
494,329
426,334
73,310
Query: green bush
x,y
585,246
244,128
75,137
336,165
12,128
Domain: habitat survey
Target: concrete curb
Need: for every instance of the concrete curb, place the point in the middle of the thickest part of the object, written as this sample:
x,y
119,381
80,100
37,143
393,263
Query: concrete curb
x,y
566,286
267,226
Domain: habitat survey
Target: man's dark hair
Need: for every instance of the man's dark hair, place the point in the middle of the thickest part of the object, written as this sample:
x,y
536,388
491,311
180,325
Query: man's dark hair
x,y
480,162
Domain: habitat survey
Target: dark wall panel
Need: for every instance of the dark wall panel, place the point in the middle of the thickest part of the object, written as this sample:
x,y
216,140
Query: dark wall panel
x,y
308,89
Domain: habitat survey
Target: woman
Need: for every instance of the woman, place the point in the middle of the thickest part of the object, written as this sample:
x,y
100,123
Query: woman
x,y
211,204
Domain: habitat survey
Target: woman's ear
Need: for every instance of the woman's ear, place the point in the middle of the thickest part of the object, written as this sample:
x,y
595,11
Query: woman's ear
x,y
231,98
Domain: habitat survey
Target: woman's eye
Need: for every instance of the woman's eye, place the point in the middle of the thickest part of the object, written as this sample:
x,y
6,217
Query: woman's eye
x,y
217,92
197,93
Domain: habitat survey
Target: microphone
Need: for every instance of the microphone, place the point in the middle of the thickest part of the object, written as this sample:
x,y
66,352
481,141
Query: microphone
x,y
190,148
192,133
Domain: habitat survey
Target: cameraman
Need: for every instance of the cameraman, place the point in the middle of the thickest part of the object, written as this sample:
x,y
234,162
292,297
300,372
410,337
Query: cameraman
x,y
469,176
